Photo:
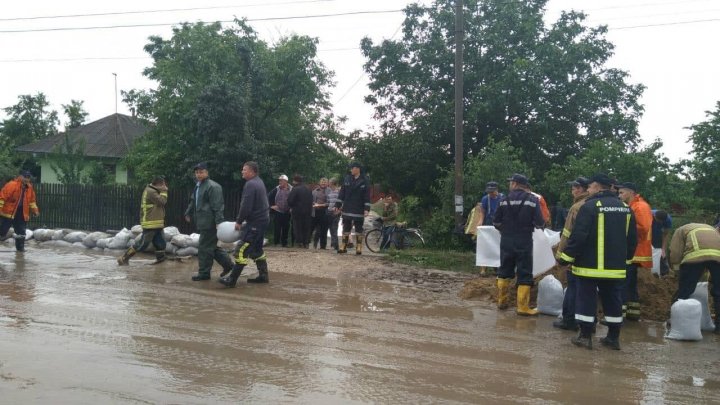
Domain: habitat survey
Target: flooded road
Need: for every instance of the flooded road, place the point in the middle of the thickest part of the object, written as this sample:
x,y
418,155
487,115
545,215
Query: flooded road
x,y
76,328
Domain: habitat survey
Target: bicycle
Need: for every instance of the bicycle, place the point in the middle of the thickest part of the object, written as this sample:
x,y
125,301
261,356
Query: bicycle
x,y
399,236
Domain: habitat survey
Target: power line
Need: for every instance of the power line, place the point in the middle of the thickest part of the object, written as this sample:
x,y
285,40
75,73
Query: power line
x,y
371,12
629,27
170,10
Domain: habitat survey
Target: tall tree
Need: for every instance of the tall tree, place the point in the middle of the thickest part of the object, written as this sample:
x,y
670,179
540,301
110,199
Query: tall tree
x,y
29,120
225,97
545,89
705,163
75,111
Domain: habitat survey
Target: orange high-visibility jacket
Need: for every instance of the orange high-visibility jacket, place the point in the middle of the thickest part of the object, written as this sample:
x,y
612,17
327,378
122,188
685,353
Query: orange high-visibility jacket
x,y
643,219
543,208
10,197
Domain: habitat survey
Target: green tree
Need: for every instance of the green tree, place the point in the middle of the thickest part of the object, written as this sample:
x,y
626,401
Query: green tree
x,y
29,120
225,97
67,160
97,174
545,89
76,114
705,163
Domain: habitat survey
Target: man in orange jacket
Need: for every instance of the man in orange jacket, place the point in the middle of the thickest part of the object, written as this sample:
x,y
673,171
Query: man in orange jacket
x,y
17,200
643,252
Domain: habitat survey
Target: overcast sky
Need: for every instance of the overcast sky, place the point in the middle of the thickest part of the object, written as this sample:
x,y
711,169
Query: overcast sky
x,y
668,45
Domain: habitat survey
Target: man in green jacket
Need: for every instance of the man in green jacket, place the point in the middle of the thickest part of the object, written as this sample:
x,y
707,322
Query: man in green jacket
x,y
152,221
206,210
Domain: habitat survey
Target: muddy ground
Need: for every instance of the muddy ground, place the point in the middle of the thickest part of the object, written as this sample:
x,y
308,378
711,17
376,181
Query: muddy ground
x,y
76,328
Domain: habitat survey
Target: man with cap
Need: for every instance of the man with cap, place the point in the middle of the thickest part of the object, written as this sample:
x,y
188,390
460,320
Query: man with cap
x,y
485,210
354,203
206,210
152,220
578,189
600,244
17,202
517,217
280,211
643,253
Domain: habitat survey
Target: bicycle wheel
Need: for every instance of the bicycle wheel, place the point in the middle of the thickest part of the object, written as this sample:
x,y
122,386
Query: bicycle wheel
x,y
412,239
373,239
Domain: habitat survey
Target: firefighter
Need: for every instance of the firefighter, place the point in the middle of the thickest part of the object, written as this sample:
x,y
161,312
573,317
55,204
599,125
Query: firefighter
x,y
152,220
600,246
517,217
578,189
643,253
354,203
17,202
693,249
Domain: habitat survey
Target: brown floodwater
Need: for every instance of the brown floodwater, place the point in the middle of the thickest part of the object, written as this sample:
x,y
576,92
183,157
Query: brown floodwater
x,y
76,328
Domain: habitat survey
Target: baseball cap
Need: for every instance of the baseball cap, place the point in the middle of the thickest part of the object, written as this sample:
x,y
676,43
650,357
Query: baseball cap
x,y
519,179
600,178
579,182
25,173
200,166
283,177
491,186
355,164
628,185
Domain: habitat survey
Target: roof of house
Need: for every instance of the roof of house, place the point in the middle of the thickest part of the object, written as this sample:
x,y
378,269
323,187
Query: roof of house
x,y
111,137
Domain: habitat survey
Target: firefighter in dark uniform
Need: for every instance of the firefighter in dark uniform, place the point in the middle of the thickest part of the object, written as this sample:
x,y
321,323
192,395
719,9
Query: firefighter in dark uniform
x,y
354,203
516,218
601,244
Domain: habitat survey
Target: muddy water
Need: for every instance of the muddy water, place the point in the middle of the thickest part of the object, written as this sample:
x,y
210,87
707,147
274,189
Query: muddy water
x,y
75,328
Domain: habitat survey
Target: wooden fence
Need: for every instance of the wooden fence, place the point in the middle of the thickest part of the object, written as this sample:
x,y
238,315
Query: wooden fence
x,y
101,208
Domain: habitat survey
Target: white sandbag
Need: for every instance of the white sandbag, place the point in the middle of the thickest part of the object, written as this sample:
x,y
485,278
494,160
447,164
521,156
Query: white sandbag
x,y
101,243
194,240
656,256
180,241
188,251
685,320
226,232
29,234
552,236
93,237
137,229
59,234
170,248
42,235
120,240
73,237
79,245
701,294
488,250
550,296
169,232
58,243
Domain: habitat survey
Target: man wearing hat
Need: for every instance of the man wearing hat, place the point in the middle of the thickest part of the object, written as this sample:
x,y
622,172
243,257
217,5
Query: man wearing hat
x,y
643,253
484,212
354,203
600,244
17,201
152,220
280,211
517,217
578,189
206,210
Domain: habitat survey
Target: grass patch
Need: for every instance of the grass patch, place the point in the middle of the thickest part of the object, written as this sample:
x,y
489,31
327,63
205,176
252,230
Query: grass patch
x,y
450,260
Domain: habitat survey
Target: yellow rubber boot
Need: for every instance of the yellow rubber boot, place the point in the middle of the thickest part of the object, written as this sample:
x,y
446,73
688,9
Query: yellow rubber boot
x,y
358,244
503,285
344,242
523,301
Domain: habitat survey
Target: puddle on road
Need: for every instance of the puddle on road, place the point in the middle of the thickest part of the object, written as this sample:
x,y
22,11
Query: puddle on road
x,y
149,334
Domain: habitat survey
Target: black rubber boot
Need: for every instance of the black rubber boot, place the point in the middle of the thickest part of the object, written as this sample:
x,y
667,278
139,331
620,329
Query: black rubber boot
x,y
231,280
160,257
20,243
584,338
200,277
566,325
612,340
263,277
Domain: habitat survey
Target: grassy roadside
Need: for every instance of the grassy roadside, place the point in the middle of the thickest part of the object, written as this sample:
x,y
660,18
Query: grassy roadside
x,y
450,260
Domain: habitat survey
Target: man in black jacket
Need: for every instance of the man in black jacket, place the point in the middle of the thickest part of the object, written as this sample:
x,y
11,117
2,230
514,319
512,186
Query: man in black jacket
x,y
254,211
277,198
354,203
601,242
516,218
300,201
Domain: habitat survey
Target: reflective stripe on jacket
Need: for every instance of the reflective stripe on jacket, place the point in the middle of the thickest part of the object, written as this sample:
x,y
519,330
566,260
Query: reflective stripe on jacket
x,y
643,219
10,197
603,238
152,208
694,243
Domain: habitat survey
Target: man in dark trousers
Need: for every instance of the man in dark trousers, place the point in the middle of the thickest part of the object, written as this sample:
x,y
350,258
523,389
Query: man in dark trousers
x,y
354,203
206,210
300,201
17,202
517,217
254,211
277,198
601,242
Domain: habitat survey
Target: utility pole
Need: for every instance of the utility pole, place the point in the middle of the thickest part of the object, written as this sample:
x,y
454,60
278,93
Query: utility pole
x,y
115,74
459,104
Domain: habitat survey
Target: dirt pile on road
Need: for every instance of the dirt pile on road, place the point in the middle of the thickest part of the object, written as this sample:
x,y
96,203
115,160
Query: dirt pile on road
x,y
655,293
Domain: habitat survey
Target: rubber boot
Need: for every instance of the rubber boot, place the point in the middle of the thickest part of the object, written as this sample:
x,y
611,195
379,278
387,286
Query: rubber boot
x,y
20,243
358,244
633,311
612,340
523,301
125,258
344,243
584,338
566,324
503,285
160,257
230,281
263,276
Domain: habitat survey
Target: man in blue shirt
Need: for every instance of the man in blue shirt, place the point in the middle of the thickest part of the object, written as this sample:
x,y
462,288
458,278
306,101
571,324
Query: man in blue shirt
x,y
661,225
489,204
